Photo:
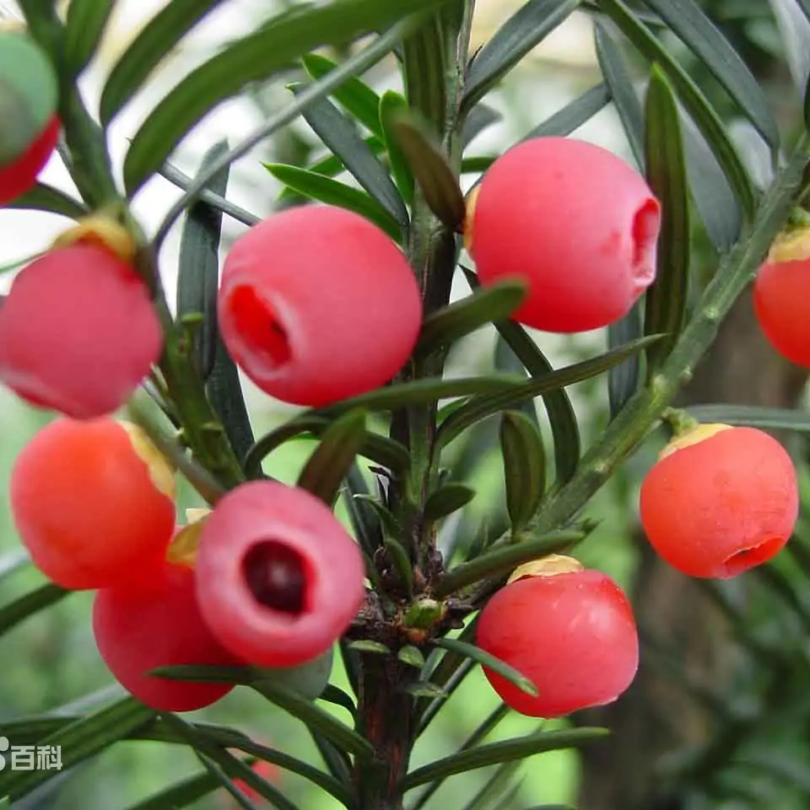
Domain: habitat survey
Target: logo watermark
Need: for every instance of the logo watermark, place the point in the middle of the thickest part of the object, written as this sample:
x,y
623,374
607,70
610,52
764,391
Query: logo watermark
x,y
29,757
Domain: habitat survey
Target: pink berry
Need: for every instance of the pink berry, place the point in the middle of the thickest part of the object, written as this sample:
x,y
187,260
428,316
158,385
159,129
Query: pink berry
x,y
576,223
139,628
278,577
318,305
78,332
571,634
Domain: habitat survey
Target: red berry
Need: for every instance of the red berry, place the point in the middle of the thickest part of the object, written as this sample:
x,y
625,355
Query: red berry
x,y
720,500
781,297
78,332
572,634
317,305
93,502
141,627
17,177
576,223
278,577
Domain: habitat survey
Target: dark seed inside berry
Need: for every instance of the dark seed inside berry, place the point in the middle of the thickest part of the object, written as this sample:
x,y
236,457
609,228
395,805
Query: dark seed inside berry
x,y
275,575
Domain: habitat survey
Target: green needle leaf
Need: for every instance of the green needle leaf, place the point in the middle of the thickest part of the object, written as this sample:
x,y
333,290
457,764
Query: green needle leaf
x,y
494,753
502,786
332,192
198,268
392,106
180,795
666,173
484,405
524,467
386,519
490,661
329,464
622,91
331,166
425,689
369,646
421,392
430,169
401,561
231,738
504,559
449,674
155,41
712,193
481,117
216,201
387,452
366,523
564,427
412,656
84,28
42,197
752,415
686,20
521,33
574,114
623,379
446,500
34,601
81,739
198,284
447,325
317,718
340,136
231,767
701,110
256,57
494,784
793,24
355,96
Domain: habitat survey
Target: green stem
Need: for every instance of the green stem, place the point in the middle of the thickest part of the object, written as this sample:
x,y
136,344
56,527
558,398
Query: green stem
x,y
633,423
202,430
90,162
386,714
435,60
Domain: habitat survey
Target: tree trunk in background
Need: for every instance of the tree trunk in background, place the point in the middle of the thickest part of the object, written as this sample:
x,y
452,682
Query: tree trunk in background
x,y
656,716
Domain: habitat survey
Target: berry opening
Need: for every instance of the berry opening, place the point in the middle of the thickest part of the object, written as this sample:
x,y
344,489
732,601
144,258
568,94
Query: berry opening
x,y
644,233
259,327
277,577
750,557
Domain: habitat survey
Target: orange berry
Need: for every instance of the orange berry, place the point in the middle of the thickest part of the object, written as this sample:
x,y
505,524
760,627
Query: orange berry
x,y
93,501
720,500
